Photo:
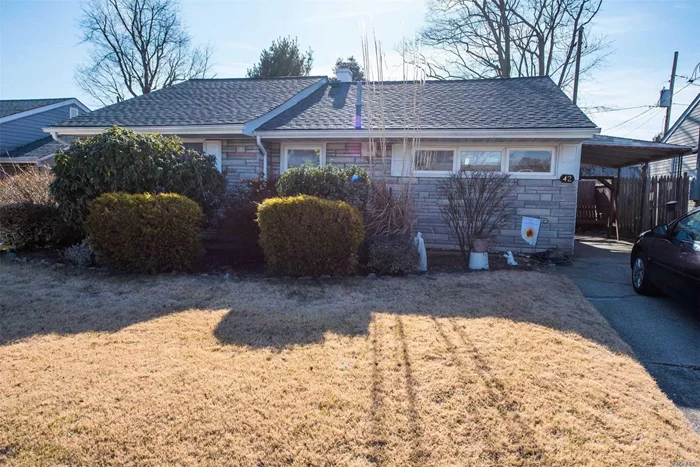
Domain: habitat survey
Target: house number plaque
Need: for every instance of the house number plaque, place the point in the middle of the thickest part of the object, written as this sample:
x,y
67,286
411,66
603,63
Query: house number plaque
x,y
567,178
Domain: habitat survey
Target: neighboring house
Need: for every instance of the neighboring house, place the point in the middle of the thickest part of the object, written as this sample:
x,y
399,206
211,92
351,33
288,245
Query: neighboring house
x,y
685,132
524,126
22,140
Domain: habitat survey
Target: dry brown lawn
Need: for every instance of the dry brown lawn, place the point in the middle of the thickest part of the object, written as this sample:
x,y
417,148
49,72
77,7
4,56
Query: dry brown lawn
x,y
505,368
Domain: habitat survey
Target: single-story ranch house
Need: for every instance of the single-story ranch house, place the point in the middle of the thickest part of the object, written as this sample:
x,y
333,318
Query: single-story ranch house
x,y
524,126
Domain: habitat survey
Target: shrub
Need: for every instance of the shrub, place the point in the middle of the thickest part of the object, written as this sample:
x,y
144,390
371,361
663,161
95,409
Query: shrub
x,y
29,225
349,184
238,222
145,233
390,209
119,160
308,236
476,206
394,255
27,186
79,254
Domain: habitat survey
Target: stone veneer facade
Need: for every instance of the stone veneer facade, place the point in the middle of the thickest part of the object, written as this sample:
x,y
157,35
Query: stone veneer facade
x,y
551,200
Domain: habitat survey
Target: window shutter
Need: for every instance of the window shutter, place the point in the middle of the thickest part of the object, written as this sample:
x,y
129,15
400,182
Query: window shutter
x,y
214,148
400,161
569,160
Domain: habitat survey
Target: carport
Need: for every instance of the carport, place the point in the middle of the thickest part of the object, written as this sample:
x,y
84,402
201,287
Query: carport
x,y
617,153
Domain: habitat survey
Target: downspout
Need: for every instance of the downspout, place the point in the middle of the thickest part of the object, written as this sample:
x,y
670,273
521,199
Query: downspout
x,y
54,135
264,153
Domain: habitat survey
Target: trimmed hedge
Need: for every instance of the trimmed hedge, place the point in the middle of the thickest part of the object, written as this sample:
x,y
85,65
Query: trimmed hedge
x,y
120,160
393,255
145,233
349,184
29,225
308,236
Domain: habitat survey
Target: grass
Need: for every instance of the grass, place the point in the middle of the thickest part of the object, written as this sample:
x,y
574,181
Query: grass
x,y
501,368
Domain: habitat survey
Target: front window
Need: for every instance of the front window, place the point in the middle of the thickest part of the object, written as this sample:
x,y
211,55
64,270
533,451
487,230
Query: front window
x,y
199,147
434,160
530,160
298,157
300,154
481,160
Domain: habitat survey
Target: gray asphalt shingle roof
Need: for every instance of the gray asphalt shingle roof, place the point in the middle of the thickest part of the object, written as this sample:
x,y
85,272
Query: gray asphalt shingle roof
x,y
199,102
35,150
516,103
14,106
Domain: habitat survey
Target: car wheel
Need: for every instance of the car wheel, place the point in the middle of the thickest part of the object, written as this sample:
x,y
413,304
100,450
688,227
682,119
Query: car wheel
x,y
640,277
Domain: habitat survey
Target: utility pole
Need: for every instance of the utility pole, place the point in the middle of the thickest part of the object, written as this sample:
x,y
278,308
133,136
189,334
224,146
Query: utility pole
x,y
676,166
670,101
578,62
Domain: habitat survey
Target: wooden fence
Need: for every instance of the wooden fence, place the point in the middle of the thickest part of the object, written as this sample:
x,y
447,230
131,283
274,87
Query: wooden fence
x,y
595,209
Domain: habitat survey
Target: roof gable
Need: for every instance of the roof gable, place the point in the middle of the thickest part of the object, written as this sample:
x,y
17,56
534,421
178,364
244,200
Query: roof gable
x,y
12,109
685,130
199,102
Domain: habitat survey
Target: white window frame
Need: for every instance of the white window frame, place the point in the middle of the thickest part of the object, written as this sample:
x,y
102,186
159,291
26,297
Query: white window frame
x,y
307,145
552,165
73,112
460,149
433,173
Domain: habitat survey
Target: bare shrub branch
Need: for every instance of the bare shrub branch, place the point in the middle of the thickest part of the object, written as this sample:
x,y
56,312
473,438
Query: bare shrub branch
x,y
27,186
476,205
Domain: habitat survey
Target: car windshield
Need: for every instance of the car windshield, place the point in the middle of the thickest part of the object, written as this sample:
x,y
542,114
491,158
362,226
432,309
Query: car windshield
x,y
688,228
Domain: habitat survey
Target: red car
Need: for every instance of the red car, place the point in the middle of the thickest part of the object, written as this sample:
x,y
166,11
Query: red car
x,y
667,259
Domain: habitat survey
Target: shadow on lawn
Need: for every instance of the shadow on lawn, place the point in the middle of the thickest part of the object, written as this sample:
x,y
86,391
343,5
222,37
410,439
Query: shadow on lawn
x,y
279,313
311,310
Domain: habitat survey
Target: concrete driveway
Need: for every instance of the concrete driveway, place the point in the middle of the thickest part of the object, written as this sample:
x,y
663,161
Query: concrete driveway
x,y
664,334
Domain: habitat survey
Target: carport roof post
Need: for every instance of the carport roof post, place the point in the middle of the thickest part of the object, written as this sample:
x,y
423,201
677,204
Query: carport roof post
x,y
616,152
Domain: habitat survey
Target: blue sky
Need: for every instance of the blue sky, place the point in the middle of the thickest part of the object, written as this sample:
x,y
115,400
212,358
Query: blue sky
x,y
40,46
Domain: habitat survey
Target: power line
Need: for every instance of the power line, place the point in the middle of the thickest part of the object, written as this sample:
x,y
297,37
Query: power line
x,y
682,88
601,109
645,122
630,119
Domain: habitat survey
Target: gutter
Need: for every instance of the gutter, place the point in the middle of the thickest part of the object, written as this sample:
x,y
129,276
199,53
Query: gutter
x,y
264,153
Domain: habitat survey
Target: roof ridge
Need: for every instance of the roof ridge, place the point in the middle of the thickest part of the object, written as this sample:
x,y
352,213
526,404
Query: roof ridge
x,y
436,81
258,79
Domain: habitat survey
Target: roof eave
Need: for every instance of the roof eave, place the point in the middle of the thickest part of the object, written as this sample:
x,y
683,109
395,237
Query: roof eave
x,y
232,129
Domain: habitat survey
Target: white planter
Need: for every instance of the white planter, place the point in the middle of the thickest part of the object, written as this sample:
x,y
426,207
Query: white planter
x,y
478,260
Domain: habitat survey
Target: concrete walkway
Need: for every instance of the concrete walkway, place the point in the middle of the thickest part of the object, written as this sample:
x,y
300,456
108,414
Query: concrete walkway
x,y
664,334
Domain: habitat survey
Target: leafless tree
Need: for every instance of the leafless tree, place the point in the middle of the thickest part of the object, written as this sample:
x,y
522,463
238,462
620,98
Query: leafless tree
x,y
477,205
138,46
510,38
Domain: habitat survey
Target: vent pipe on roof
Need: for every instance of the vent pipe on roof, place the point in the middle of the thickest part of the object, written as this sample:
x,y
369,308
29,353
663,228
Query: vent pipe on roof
x,y
358,107
344,75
